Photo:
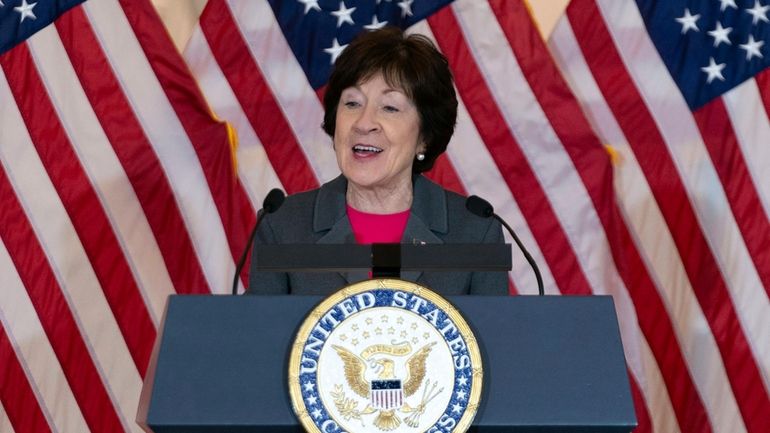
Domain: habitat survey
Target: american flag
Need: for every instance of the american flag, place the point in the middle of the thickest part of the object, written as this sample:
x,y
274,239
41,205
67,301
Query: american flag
x,y
119,186
681,91
117,190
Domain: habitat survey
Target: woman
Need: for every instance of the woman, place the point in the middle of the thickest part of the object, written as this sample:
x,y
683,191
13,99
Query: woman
x,y
390,108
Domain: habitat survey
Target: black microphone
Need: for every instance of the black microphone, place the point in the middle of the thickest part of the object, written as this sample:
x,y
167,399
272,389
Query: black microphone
x,y
478,206
272,203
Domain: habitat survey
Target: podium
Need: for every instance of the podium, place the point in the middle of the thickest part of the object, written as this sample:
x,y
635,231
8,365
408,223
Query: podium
x,y
551,364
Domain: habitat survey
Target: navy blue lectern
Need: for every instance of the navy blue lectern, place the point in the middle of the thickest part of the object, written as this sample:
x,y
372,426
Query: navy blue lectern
x,y
551,364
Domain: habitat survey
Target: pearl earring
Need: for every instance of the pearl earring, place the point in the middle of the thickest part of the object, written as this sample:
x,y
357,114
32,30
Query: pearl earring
x,y
421,157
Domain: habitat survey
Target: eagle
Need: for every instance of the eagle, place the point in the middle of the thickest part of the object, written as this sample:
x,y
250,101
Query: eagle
x,y
355,368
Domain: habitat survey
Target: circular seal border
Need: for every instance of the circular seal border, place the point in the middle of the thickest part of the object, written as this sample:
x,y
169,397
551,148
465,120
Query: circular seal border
x,y
295,391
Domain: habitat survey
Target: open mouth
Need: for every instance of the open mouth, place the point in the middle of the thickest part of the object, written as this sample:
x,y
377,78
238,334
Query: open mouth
x,y
362,149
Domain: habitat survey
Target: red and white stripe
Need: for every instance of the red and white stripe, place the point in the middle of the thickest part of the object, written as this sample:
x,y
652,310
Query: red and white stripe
x,y
690,190
387,399
117,189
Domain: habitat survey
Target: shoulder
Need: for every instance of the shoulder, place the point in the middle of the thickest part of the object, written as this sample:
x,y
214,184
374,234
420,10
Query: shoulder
x,y
461,225
464,223
309,212
330,194
298,202
299,205
294,219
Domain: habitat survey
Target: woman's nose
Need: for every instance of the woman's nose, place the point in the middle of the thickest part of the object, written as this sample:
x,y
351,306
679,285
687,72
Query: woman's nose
x,y
366,121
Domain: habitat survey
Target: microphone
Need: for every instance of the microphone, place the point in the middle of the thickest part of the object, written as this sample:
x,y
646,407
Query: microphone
x,y
480,207
272,203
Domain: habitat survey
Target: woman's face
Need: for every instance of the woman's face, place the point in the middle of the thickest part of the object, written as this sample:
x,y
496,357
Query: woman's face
x,y
377,134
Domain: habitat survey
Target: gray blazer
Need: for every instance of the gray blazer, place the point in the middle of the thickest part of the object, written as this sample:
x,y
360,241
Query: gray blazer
x,y
319,216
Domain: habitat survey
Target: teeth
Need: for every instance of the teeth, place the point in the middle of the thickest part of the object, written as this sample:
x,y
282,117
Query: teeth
x,y
362,148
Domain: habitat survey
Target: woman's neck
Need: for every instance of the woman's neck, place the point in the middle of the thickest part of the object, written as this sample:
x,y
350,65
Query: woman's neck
x,y
379,200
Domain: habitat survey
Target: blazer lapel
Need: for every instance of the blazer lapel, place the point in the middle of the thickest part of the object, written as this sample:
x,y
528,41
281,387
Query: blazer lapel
x,y
427,218
330,216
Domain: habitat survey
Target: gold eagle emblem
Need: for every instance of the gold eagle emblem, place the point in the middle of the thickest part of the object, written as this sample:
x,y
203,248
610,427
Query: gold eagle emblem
x,y
355,368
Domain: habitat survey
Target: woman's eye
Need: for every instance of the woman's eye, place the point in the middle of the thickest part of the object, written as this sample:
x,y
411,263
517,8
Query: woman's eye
x,y
390,109
351,104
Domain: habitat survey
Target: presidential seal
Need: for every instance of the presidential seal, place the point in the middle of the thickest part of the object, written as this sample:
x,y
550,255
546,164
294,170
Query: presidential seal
x,y
385,356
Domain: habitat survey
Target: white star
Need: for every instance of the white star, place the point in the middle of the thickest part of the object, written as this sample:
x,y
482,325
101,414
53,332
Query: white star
x,y
310,4
309,386
406,8
312,400
316,413
461,395
720,34
375,24
25,10
462,380
343,15
457,408
726,3
713,70
688,21
752,48
335,50
758,12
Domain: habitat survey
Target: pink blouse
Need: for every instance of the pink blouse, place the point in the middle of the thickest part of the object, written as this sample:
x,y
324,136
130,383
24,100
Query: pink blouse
x,y
372,228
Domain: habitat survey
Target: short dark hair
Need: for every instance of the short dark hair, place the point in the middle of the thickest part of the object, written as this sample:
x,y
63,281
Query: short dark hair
x,y
408,62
